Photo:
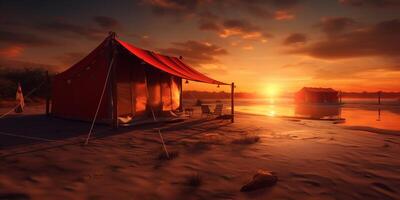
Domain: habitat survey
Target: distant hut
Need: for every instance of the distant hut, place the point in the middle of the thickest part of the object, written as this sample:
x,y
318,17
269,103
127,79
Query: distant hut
x,y
317,96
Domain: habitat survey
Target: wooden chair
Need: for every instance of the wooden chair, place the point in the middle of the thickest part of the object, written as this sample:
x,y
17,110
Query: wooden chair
x,y
205,110
218,109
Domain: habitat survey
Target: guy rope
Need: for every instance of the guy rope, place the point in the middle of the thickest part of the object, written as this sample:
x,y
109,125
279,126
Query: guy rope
x,y
19,103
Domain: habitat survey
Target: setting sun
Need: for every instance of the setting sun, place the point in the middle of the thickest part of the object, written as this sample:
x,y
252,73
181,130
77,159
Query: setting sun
x,y
271,91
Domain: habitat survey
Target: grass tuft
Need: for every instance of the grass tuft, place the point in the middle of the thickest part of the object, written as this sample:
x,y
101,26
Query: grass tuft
x,y
194,180
246,140
172,155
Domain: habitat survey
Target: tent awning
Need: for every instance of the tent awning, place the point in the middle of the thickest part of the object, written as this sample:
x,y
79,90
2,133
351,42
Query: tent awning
x,y
171,65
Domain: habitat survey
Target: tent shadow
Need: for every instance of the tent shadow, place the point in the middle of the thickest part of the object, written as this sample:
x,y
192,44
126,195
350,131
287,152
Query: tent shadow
x,y
44,132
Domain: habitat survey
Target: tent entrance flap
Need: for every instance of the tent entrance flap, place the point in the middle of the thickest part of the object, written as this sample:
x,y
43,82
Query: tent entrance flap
x,y
140,89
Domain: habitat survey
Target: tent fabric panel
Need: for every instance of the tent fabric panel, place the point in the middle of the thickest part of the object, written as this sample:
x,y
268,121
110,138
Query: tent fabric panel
x,y
176,84
154,102
139,95
123,87
76,92
165,83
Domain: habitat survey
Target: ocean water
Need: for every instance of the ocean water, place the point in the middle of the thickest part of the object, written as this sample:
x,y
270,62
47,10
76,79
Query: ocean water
x,y
355,112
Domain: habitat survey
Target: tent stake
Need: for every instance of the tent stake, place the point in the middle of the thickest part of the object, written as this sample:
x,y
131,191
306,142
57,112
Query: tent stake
x,y
101,98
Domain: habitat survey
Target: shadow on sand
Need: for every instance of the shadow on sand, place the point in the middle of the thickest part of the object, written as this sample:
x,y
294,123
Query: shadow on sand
x,y
40,130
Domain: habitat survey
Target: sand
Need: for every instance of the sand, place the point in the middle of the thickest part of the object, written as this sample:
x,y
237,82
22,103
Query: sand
x,y
213,160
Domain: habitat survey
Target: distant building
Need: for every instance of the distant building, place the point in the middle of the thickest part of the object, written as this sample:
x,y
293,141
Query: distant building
x,y
317,96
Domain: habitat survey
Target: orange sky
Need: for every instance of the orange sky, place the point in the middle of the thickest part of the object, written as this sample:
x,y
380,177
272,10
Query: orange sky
x,y
350,45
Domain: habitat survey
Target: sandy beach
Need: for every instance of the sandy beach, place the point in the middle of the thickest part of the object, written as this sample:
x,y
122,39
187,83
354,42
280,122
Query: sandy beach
x,y
312,159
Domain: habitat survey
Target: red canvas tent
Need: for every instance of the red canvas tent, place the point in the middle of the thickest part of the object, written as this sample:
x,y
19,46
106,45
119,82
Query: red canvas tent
x,y
119,80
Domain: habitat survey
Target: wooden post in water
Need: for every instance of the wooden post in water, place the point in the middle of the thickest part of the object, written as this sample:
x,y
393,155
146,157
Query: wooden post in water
x,y
379,97
233,102
48,88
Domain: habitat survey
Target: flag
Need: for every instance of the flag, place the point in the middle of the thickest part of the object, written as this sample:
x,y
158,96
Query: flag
x,y
20,100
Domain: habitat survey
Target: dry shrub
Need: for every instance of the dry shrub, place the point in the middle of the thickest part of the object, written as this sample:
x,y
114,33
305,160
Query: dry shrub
x,y
194,180
199,146
246,140
172,155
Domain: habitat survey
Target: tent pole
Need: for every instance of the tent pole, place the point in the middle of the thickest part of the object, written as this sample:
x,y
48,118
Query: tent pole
x,y
101,99
170,91
114,99
232,102
180,97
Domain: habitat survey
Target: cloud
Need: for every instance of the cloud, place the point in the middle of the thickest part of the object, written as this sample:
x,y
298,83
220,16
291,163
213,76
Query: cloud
x,y
248,47
208,21
143,41
196,52
285,3
11,51
173,7
381,39
282,15
335,25
234,27
68,29
295,39
372,3
26,39
256,8
107,23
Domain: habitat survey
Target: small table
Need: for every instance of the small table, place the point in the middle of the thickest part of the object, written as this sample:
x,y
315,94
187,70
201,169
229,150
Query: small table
x,y
189,111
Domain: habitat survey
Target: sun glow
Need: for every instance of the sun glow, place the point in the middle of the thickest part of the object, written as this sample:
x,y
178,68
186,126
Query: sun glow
x,y
271,91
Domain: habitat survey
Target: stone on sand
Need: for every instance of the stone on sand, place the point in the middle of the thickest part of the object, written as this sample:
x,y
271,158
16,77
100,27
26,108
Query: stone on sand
x,y
260,180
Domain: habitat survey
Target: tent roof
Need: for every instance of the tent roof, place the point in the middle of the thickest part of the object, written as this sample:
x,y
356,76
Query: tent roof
x,y
171,65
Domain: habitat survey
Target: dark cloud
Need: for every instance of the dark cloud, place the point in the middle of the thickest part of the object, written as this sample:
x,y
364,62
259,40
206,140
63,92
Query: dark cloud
x,y
285,3
196,52
335,25
372,3
68,29
282,15
208,21
234,27
257,8
25,39
381,39
173,7
107,23
241,25
295,39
